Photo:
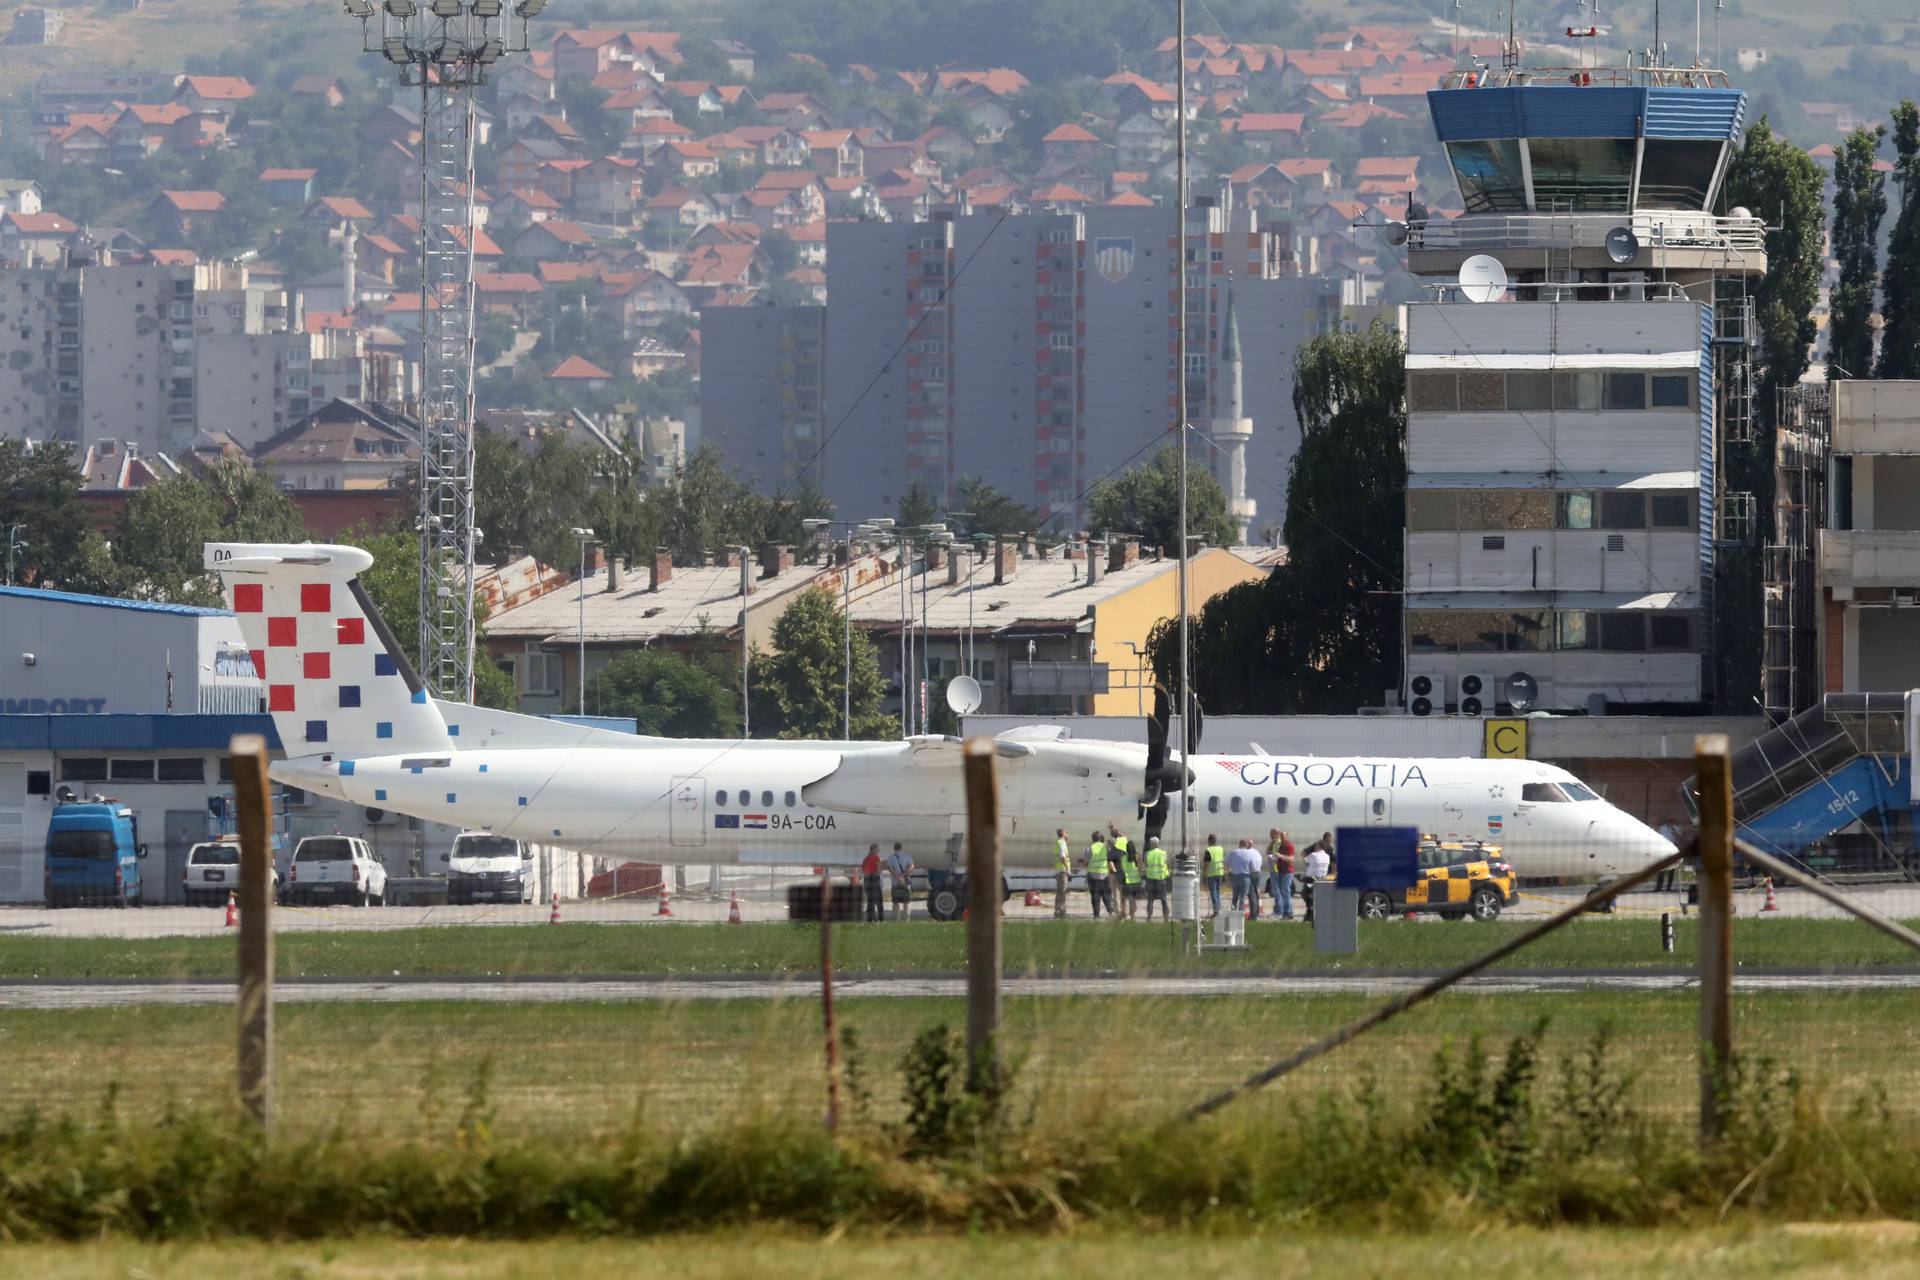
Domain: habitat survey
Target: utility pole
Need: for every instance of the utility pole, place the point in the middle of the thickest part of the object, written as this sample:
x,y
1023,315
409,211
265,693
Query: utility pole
x,y
1712,766
585,536
1183,854
746,588
983,917
446,51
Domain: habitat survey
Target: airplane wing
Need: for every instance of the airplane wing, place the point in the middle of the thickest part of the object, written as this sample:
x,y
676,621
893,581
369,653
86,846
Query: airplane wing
x,y
923,776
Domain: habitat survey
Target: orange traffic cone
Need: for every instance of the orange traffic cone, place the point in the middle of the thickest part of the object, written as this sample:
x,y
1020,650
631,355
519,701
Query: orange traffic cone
x,y
733,908
1771,904
553,916
233,910
665,894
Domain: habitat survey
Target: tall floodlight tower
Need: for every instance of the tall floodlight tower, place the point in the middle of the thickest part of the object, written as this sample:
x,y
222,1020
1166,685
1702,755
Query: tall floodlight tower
x,y
445,49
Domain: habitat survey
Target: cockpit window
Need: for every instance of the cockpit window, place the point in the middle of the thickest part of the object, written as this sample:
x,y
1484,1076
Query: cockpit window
x,y
1578,791
1543,793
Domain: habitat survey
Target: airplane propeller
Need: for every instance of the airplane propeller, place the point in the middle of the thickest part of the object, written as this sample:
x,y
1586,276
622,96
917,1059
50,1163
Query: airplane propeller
x,y
1163,776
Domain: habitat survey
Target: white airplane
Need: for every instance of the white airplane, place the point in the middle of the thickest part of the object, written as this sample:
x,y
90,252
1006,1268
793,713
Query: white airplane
x,y
357,723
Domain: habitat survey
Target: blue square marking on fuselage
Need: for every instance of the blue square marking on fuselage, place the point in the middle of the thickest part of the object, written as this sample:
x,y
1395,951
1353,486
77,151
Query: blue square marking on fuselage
x,y
316,731
346,768
384,729
523,802
349,695
452,797
379,793
383,665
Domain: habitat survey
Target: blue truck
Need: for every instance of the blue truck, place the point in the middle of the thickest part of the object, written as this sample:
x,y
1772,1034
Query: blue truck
x,y
93,855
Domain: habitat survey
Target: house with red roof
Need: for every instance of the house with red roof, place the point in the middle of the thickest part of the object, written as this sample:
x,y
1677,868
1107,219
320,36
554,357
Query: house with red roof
x,y
731,150
770,209
837,152
381,257
578,371
1360,114
1308,174
82,141
287,188
506,293
174,214
725,266
35,239
626,108
640,300
1126,180
680,209
520,160
555,238
333,211
144,129
950,147
1268,129
1069,145
213,95
794,110
1142,139
645,140
524,206
555,177
1126,92
688,160
607,188
318,90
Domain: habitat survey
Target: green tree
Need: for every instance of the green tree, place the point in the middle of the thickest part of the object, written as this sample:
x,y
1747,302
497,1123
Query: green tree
x,y
917,506
796,690
392,583
1780,182
39,493
1859,202
1146,500
1320,635
668,695
978,508
1900,278
1776,179
159,542
782,254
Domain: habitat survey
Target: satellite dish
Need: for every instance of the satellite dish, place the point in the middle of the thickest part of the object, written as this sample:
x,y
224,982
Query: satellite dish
x,y
1522,691
963,695
1740,211
1396,233
1482,278
1416,213
1622,245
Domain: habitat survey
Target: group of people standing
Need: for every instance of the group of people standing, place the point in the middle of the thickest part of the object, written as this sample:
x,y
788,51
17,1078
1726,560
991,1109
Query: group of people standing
x,y
1119,878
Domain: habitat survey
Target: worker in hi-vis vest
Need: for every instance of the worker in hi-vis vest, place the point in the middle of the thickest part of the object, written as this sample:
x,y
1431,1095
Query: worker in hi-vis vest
x,y
1159,879
1099,883
1129,883
1122,855
1216,871
1062,872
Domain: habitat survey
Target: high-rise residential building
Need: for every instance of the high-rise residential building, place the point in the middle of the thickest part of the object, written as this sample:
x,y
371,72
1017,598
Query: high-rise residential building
x,y
1034,351
151,353
1575,379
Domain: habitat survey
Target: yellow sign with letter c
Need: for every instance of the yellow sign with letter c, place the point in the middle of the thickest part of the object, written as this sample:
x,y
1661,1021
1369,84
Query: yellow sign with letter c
x,y
1506,739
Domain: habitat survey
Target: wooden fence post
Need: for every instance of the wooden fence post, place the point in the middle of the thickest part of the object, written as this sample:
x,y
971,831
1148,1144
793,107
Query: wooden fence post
x,y
255,1058
1713,774
983,917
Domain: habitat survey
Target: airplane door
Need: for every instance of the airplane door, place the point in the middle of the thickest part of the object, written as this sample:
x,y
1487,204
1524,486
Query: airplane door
x,y
1379,807
687,811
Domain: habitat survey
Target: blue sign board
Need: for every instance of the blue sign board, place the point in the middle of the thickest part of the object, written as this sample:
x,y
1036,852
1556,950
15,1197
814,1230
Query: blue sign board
x,y
1376,857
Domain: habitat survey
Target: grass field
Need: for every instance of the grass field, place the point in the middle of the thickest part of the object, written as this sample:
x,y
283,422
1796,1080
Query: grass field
x,y
1039,947
1858,1251
1084,1063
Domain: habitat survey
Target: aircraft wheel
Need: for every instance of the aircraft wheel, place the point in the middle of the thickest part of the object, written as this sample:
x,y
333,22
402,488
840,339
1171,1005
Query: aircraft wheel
x,y
949,900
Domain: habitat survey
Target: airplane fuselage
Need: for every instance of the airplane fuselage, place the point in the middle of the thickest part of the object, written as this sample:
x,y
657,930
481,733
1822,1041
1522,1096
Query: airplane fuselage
x,y
793,803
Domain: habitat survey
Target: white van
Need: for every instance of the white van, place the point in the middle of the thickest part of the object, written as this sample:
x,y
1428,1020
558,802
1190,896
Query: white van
x,y
483,867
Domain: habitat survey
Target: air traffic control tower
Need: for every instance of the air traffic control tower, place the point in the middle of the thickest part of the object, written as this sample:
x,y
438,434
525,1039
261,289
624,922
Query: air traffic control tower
x,y
1576,369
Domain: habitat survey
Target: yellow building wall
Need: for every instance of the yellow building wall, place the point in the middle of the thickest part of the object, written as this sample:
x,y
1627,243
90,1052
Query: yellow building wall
x,y
1131,615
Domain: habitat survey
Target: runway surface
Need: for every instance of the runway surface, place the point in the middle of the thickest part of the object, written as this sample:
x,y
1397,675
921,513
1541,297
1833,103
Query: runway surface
x,y
1900,901
76,994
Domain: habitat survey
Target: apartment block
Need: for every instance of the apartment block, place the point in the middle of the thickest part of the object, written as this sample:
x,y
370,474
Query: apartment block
x,y
1869,556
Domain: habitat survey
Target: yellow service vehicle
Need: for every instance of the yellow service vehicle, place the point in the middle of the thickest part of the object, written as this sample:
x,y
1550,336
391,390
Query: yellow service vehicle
x,y
1457,879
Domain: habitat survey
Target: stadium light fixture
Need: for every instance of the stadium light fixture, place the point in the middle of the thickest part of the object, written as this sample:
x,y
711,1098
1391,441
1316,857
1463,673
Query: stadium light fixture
x,y
489,51
529,8
487,8
402,9
446,8
361,9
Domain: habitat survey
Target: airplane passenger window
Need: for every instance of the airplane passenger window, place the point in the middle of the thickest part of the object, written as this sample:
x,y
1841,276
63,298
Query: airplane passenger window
x,y
1279,804
1193,803
1234,804
766,798
790,800
1306,804
1578,791
1259,804
1543,793
1326,805
1213,804
1379,808
720,798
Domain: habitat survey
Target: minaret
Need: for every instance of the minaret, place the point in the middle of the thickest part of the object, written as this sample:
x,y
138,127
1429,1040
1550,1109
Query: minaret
x,y
1232,430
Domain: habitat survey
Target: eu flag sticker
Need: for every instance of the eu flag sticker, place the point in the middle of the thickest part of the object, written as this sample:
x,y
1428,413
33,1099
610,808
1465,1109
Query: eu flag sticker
x,y
726,822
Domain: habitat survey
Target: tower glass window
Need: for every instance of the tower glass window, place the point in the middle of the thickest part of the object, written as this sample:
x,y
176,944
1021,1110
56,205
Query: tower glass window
x,y
1581,173
1491,179
1675,173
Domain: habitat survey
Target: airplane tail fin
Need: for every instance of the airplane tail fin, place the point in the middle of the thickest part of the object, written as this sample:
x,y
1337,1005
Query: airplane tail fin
x,y
337,681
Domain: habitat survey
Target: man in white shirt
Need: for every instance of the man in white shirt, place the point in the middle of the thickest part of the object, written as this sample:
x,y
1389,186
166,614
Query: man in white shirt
x,y
1315,866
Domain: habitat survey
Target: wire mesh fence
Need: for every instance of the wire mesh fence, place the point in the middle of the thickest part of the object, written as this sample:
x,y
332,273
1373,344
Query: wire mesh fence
x,y
682,997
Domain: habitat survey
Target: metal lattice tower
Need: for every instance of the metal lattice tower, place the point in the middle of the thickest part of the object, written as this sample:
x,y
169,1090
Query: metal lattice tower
x,y
445,49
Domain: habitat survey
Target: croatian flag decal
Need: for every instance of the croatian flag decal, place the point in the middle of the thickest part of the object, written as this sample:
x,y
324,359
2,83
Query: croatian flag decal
x,y
754,821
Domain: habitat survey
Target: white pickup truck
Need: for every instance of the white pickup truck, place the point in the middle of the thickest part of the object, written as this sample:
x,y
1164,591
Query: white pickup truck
x,y
335,869
213,871
483,867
